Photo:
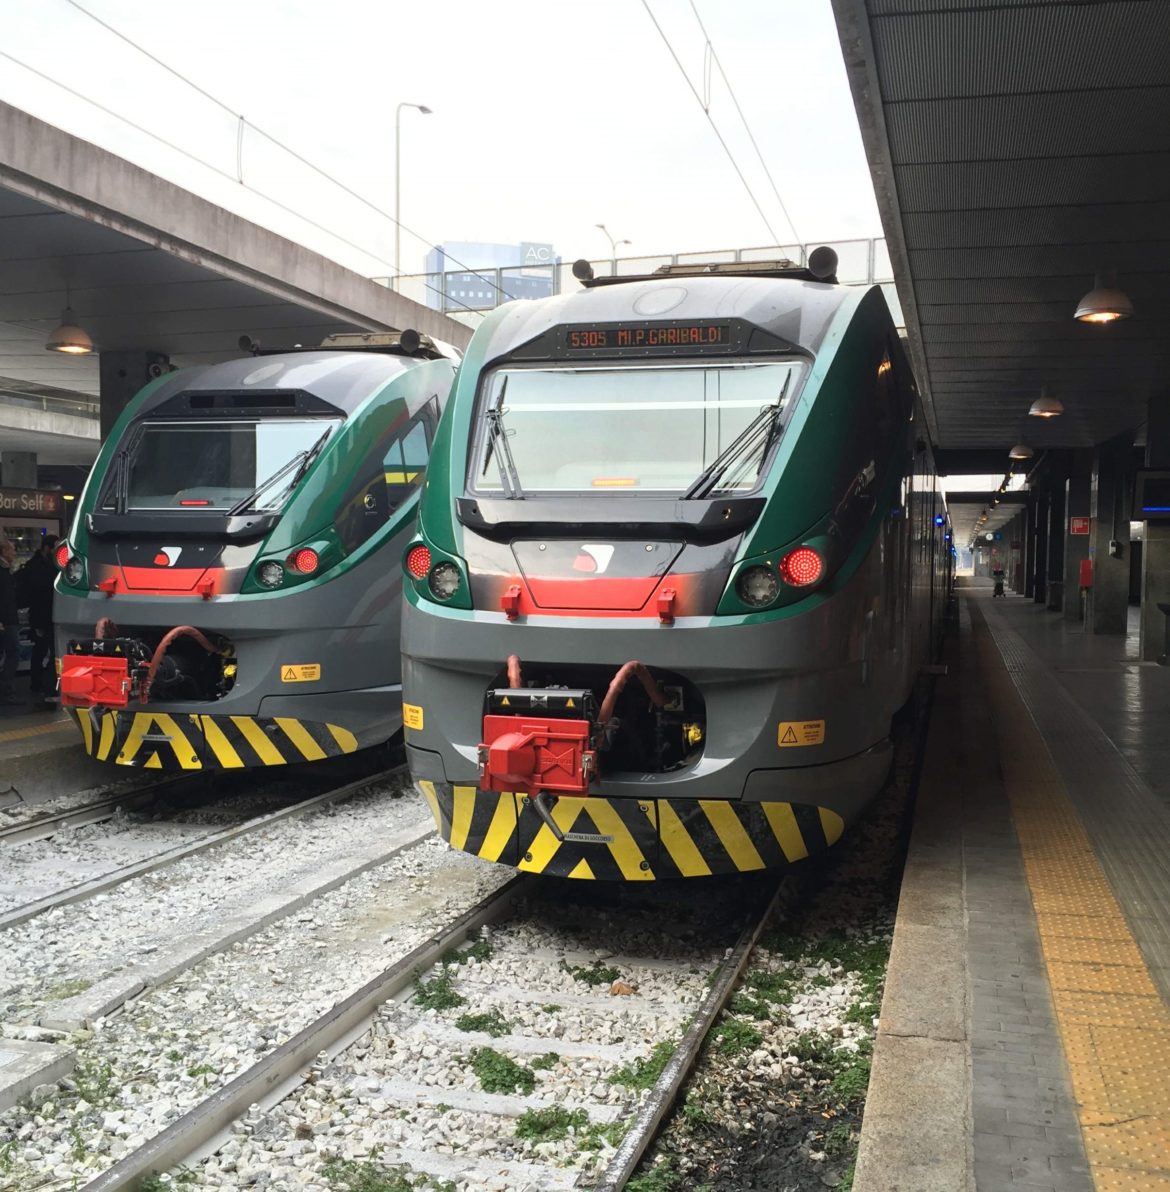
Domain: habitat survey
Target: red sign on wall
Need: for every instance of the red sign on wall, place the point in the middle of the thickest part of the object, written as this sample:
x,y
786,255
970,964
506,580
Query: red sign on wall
x,y
1078,525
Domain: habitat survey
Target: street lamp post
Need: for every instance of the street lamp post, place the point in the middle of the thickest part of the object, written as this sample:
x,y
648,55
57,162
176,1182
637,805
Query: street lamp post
x,y
612,244
398,180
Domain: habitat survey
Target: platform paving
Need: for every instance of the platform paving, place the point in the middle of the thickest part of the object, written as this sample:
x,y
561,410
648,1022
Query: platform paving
x,y
1037,884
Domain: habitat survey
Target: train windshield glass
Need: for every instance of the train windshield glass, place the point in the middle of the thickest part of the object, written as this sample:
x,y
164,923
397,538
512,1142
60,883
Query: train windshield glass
x,y
678,429
220,465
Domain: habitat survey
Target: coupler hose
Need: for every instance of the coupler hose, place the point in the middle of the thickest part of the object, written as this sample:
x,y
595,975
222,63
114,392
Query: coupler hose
x,y
171,636
619,681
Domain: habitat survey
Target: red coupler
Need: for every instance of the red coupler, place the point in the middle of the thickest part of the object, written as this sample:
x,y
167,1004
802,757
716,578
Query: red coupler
x,y
87,680
535,753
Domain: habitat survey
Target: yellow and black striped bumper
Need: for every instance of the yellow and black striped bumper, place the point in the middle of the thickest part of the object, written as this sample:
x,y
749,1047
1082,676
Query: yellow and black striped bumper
x,y
648,839
189,741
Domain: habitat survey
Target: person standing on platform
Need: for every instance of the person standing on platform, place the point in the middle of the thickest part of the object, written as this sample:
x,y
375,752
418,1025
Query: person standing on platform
x,y
35,584
9,626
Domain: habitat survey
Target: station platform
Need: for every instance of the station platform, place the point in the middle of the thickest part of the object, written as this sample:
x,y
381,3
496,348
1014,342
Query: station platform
x,y
1024,1039
41,757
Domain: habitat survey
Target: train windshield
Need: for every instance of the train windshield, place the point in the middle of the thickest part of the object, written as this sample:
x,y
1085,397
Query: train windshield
x,y
686,430
224,465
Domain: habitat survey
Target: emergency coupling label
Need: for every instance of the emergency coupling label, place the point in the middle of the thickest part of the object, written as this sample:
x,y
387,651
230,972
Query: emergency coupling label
x,y
300,672
794,734
412,716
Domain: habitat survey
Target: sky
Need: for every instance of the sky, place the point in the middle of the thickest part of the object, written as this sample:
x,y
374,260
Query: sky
x,y
549,117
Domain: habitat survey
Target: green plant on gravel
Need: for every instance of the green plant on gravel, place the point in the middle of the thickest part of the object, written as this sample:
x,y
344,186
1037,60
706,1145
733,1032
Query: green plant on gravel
x,y
200,1070
644,1072
367,1175
846,1183
7,1154
77,1146
174,1055
551,1124
595,973
94,1079
695,1110
610,1133
733,1037
662,1177
767,986
492,1022
542,1063
480,949
64,989
850,1083
838,1140
182,1177
813,1049
437,994
747,1005
551,1008
499,1074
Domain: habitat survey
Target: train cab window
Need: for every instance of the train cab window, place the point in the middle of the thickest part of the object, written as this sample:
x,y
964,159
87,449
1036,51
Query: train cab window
x,y
406,462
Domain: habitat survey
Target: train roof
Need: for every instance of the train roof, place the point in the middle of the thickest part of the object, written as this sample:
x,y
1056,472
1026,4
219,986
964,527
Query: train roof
x,y
343,379
795,310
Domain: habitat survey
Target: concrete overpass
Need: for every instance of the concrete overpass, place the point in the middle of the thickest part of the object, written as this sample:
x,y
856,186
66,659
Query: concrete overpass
x,y
155,275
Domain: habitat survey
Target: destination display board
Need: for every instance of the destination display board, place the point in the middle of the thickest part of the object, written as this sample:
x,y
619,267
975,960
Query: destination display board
x,y
640,337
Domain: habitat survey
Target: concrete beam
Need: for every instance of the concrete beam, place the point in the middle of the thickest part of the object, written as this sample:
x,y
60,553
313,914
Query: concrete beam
x,y
51,166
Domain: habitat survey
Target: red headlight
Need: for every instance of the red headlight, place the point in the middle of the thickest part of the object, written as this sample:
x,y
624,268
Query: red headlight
x,y
418,561
61,554
801,567
304,560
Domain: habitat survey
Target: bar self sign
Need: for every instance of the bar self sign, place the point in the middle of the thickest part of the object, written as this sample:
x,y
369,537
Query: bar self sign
x,y
300,672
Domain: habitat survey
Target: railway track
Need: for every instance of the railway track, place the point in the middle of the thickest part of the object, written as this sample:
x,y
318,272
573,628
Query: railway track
x,y
42,827
201,843
596,1051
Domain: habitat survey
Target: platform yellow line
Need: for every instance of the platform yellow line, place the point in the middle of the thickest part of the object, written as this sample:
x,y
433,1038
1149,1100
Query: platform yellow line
x,y
17,734
1113,1024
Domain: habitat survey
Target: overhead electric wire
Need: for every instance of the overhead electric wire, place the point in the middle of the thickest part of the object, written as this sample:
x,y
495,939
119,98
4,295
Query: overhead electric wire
x,y
711,121
280,145
746,125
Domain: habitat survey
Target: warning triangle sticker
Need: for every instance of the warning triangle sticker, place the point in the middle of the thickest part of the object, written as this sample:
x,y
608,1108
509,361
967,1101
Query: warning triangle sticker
x,y
505,702
569,703
789,737
289,674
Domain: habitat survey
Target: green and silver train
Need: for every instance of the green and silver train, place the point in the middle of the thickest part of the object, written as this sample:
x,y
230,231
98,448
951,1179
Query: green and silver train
x,y
680,559
229,594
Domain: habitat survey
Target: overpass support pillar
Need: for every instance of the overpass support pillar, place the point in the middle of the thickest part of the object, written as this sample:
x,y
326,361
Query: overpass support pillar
x,y
1109,536
1077,494
1055,568
1156,544
121,375
1040,547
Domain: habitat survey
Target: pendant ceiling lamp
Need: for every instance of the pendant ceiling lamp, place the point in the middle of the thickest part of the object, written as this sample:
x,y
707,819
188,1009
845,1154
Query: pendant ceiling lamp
x,y
1021,451
1104,303
69,338
1046,406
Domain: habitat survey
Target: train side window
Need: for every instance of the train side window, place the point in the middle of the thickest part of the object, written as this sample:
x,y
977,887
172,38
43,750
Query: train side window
x,y
393,468
405,464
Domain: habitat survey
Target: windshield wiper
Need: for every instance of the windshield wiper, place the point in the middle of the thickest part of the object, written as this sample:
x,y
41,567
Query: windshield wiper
x,y
764,426
498,446
299,465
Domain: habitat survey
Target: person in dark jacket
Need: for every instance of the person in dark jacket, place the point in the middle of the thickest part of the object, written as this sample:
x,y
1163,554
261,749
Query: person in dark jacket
x,y
35,583
9,626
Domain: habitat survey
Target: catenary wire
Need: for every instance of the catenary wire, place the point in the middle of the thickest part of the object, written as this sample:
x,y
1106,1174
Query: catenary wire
x,y
280,145
711,121
746,125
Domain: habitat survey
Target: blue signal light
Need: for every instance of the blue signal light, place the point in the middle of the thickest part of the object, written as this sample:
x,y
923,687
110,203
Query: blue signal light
x,y
946,538
939,520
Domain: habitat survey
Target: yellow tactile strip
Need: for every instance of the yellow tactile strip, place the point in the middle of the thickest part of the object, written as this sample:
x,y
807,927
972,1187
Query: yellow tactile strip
x,y
38,730
1113,1024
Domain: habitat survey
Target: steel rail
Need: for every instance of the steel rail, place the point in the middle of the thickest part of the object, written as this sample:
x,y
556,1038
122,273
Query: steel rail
x,y
116,877
100,809
199,1131
662,1096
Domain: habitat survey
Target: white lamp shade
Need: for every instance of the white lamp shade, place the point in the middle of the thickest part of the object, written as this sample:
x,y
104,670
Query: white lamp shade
x,y
69,338
1046,407
1103,303
1021,451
